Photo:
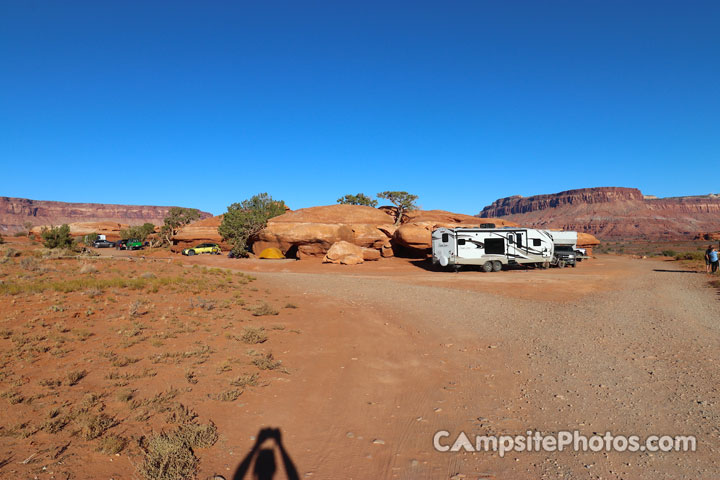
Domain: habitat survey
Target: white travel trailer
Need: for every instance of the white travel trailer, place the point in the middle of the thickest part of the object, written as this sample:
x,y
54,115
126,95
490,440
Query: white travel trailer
x,y
492,248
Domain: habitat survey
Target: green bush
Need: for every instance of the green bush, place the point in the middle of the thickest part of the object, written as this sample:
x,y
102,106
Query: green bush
x,y
359,199
57,237
690,256
668,253
90,238
245,219
140,232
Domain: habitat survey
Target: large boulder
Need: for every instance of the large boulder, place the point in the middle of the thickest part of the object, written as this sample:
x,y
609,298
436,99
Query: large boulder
x,y
587,241
111,230
312,231
205,230
344,253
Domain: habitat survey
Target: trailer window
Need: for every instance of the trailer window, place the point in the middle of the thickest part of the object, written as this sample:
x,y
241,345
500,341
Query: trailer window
x,y
494,246
461,241
511,239
445,238
536,242
519,239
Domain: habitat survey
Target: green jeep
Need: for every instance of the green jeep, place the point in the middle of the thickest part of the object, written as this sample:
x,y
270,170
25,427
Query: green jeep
x,y
133,244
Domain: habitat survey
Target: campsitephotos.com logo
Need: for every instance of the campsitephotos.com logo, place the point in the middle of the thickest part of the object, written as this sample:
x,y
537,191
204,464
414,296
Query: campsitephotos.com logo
x,y
562,440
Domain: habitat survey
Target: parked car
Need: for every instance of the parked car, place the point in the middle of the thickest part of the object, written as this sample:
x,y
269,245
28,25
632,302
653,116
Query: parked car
x,y
103,244
129,244
565,255
213,248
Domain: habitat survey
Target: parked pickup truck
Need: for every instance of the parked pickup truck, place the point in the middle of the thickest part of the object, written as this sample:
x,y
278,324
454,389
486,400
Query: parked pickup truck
x,y
565,255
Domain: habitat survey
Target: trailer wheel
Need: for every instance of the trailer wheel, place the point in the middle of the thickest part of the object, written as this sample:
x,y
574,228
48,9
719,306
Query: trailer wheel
x,y
487,267
496,266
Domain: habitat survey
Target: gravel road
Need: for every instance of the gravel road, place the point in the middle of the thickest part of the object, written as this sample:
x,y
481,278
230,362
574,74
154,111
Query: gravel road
x,y
637,357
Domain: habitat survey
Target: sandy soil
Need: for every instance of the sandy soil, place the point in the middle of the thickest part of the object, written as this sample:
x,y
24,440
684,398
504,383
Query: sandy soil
x,y
380,356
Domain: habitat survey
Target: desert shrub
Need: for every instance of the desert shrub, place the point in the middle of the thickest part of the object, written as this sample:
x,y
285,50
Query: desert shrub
x,y
245,380
668,253
57,237
88,268
170,456
253,335
94,425
359,199
2,240
112,444
262,309
245,219
11,252
21,233
690,256
139,232
90,238
75,376
228,395
266,362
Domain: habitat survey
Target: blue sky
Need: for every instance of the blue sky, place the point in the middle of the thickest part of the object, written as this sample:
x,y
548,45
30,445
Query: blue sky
x,y
207,103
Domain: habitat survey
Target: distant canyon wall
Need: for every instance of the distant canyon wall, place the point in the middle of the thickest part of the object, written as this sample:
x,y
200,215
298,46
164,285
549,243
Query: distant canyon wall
x,y
15,212
613,213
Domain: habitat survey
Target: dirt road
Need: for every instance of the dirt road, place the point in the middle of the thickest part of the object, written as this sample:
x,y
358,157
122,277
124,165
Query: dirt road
x,y
615,345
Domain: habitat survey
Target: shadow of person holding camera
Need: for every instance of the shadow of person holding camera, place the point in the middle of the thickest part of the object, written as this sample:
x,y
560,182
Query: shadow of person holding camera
x,y
265,467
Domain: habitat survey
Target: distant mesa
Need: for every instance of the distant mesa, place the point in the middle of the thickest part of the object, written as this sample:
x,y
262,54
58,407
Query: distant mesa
x,y
16,212
613,213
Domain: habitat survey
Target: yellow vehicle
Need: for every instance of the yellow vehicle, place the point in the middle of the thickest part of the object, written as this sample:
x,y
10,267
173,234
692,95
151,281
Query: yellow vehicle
x,y
213,248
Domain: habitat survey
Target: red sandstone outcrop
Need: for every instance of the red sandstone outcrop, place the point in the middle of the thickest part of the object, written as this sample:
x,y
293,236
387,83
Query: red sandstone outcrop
x,y
15,212
205,230
312,231
111,230
613,213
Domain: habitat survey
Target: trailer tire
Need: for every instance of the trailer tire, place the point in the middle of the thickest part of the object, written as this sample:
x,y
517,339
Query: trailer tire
x,y
497,266
561,263
487,267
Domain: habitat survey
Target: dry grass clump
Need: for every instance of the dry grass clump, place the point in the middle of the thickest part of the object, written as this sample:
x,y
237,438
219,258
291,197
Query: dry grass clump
x,y
228,395
75,376
112,444
246,380
253,335
290,305
266,362
93,425
262,309
88,268
170,456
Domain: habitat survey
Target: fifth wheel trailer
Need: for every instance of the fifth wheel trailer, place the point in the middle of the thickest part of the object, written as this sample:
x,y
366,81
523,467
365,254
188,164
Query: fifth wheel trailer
x,y
492,248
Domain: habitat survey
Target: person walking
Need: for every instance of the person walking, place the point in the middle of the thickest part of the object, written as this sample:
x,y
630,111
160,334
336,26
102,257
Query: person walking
x,y
713,255
707,258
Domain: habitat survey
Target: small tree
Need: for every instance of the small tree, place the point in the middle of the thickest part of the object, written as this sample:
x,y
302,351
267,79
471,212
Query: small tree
x,y
177,218
90,238
359,199
404,202
139,232
57,237
28,226
245,219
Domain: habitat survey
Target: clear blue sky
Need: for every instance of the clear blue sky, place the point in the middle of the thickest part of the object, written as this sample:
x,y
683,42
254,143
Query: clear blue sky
x,y
206,103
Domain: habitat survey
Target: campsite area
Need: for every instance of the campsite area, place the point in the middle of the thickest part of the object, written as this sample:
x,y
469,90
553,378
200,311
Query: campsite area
x,y
112,363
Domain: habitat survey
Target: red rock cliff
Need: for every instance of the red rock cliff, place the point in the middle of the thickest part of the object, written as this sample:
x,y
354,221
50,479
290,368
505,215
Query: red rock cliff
x,y
14,212
613,213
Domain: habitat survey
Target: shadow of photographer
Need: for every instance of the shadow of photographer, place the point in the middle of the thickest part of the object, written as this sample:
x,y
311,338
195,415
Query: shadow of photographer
x,y
263,460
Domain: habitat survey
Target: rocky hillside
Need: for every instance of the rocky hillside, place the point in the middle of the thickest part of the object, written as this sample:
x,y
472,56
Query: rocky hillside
x,y
613,213
15,212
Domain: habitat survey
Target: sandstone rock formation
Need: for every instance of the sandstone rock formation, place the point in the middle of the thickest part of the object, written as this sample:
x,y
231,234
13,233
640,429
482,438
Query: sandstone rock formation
x,y
205,230
15,212
312,231
344,253
111,230
613,213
